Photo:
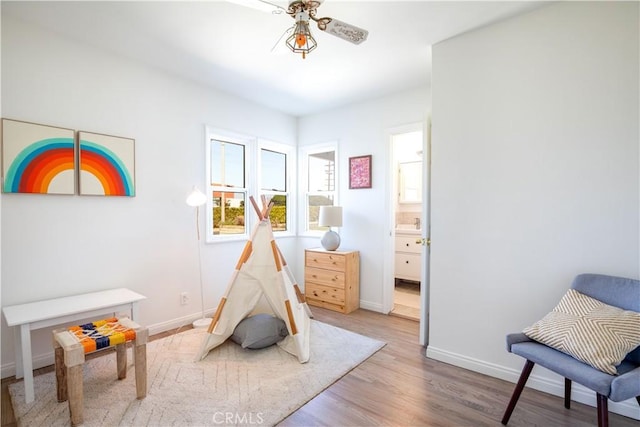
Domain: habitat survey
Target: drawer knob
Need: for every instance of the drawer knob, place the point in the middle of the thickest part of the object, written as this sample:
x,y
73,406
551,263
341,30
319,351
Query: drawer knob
x,y
407,245
407,262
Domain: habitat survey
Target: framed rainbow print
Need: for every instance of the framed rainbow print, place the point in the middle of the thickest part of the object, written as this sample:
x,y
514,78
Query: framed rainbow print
x,y
37,158
106,165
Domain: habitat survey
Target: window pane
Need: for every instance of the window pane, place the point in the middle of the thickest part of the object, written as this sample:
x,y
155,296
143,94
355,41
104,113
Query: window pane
x,y
273,170
278,214
229,220
322,171
314,204
227,164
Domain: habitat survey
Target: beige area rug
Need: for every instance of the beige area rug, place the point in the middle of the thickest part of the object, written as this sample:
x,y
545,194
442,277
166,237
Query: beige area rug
x,y
231,386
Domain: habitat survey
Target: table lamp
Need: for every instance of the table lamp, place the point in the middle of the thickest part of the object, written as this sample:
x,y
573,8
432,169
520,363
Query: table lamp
x,y
330,216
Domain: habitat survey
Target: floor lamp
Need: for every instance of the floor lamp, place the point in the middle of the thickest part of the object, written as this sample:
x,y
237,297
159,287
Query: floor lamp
x,y
196,199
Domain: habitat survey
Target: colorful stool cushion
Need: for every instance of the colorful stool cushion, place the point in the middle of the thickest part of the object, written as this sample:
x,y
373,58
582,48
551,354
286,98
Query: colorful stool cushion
x,y
102,334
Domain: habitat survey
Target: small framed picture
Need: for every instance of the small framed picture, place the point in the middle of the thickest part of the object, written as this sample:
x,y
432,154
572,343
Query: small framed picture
x,y
360,172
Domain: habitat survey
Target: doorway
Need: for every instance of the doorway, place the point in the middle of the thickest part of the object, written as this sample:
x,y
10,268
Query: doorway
x,y
406,278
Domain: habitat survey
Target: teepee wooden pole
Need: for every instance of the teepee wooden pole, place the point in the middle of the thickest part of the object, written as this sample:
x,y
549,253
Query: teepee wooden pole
x,y
299,294
257,209
216,317
267,209
246,253
292,320
276,256
301,298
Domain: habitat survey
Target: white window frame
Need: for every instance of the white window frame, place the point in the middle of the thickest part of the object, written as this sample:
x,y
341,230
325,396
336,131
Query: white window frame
x,y
248,143
290,152
303,179
252,146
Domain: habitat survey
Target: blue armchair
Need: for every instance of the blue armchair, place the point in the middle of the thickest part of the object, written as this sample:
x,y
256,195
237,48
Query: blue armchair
x,y
615,291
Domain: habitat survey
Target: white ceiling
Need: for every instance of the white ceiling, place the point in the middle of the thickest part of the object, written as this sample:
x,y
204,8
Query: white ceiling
x,y
229,46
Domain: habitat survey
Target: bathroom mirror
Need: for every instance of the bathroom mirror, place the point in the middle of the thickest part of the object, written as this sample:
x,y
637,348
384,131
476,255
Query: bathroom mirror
x,y
410,182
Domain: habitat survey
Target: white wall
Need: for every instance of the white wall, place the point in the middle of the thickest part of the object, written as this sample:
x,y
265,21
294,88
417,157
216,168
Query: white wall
x,y
361,129
535,175
60,245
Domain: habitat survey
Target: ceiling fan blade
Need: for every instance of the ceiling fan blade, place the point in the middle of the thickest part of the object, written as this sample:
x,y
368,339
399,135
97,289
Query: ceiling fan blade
x,y
345,31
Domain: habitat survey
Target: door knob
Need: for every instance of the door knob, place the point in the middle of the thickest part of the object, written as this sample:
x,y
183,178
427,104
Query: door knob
x,y
424,242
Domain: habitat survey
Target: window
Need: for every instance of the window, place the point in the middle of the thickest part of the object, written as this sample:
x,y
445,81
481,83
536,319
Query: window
x,y
319,162
227,185
275,185
231,179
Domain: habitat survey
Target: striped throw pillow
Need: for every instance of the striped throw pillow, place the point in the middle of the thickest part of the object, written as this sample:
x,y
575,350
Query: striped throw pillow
x,y
589,330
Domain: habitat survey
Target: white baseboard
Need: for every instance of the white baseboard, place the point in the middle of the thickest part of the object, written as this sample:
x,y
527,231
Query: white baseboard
x,y
554,386
368,305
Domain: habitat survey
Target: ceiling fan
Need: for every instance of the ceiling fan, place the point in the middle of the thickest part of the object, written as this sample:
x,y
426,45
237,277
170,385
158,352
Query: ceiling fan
x,y
300,39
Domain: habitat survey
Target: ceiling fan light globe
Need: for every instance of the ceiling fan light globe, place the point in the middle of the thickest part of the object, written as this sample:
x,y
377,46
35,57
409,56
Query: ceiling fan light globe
x,y
301,40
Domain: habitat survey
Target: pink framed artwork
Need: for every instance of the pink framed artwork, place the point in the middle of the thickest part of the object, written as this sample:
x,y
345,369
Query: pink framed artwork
x,y
360,172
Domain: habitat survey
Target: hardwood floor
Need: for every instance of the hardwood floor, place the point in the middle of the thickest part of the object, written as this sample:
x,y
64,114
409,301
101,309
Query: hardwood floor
x,y
398,386
406,300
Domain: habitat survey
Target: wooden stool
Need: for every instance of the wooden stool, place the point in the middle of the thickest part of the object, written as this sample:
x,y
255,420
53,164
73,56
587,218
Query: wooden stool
x,y
73,343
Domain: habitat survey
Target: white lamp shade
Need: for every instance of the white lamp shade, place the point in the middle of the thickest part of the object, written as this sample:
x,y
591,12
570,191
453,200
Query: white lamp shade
x,y
196,198
330,216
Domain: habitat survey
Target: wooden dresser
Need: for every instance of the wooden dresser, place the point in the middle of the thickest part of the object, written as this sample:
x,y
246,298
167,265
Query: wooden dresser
x,y
332,279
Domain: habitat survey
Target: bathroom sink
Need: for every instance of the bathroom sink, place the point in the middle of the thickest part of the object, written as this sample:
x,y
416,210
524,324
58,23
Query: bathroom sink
x,y
407,228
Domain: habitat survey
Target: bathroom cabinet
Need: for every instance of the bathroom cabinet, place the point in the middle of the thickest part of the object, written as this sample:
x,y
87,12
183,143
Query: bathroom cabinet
x,y
408,253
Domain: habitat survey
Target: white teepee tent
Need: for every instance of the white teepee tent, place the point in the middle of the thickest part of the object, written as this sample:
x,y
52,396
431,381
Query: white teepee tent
x,y
262,282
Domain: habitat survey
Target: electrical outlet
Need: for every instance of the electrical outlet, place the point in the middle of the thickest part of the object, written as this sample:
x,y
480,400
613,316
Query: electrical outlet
x,y
184,298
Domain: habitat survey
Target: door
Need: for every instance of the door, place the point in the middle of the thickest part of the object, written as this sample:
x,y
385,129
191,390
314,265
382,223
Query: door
x,y
401,206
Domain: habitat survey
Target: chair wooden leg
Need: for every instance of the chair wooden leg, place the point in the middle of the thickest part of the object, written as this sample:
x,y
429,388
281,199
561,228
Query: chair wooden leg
x,y
140,357
567,393
121,360
76,397
61,374
603,410
526,371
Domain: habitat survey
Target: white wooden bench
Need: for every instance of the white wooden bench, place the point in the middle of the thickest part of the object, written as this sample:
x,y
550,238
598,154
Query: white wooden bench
x,y
41,314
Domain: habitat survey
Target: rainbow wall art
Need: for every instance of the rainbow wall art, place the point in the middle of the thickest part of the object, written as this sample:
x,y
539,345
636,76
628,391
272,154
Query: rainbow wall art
x,y
37,158
107,165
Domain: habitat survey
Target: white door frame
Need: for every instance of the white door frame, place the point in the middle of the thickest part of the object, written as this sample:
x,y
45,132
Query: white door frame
x,y
389,246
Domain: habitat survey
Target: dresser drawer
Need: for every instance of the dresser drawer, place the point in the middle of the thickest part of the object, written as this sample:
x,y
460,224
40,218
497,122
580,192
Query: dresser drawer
x,y
325,294
408,244
331,278
407,266
325,260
